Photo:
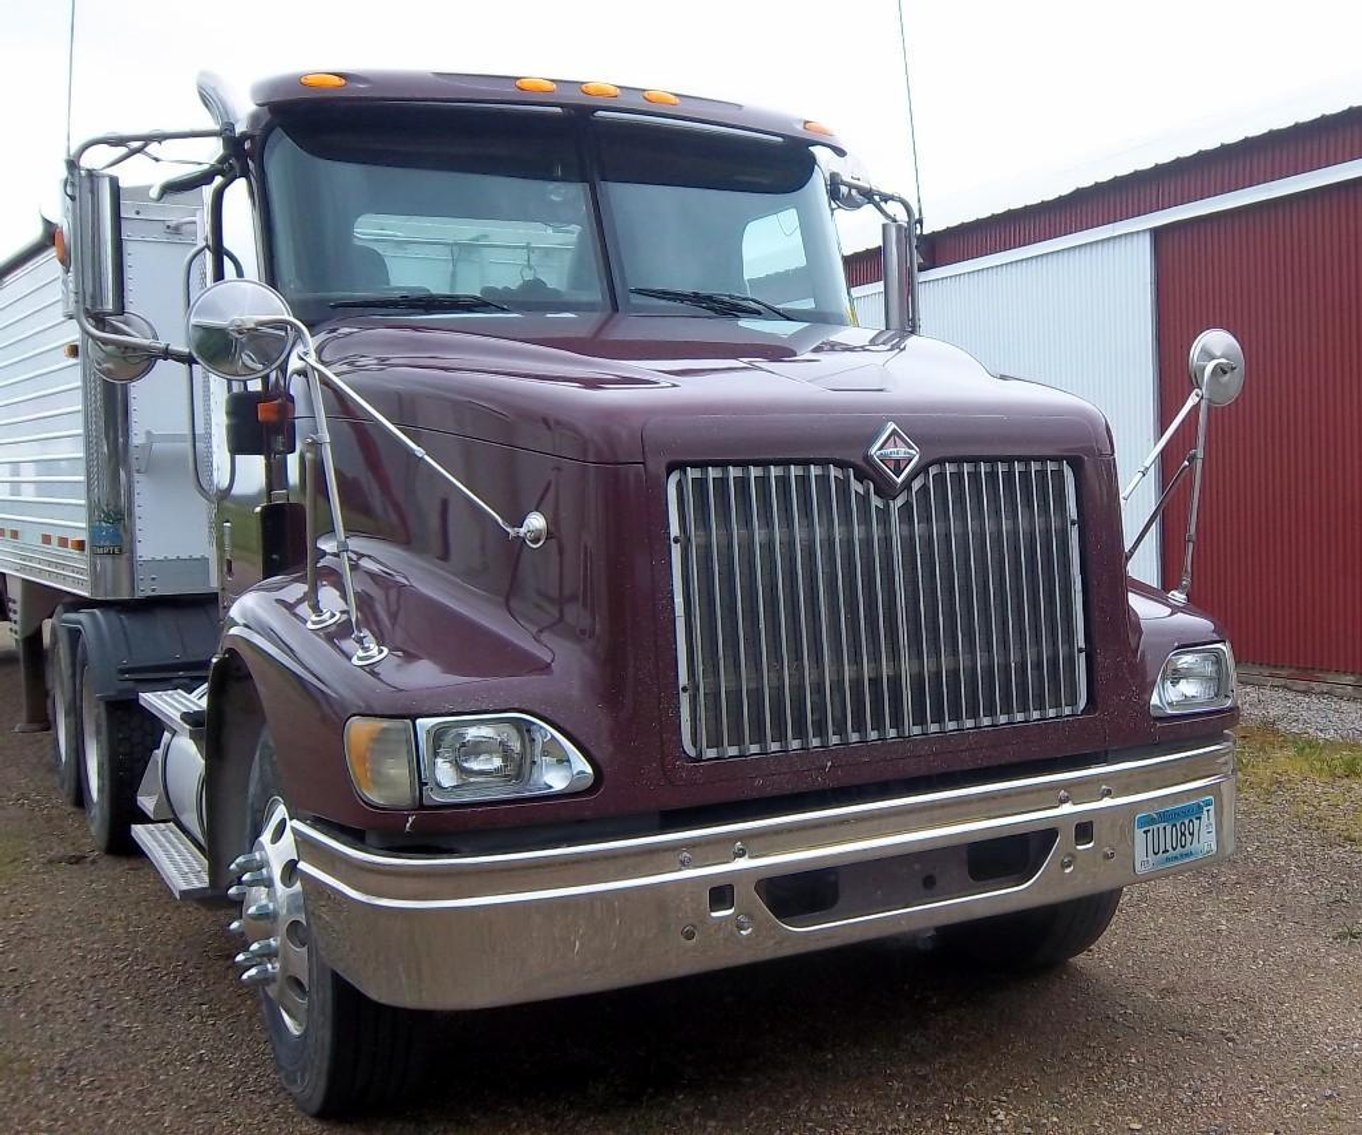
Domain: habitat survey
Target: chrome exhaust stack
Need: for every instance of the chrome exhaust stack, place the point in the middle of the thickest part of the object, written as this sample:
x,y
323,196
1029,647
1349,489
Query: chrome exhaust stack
x,y
1216,368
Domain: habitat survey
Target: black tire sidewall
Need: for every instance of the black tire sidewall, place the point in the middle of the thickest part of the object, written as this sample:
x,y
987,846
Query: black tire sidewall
x,y
1036,939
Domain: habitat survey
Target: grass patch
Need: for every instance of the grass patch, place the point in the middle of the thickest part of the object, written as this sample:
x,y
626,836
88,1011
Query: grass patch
x,y
1321,780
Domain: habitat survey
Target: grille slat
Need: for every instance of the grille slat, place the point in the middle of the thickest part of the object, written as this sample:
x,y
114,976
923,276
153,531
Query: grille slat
x,y
812,612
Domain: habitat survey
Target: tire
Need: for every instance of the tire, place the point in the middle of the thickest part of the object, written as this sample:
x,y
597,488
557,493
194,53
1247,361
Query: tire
x,y
1033,940
349,1054
61,712
115,740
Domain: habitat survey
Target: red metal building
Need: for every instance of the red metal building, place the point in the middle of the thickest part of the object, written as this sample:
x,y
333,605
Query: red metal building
x,y
1264,237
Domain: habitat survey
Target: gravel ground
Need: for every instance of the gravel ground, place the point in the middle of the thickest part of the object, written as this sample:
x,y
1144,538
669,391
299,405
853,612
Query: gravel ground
x,y
1222,1002
1320,715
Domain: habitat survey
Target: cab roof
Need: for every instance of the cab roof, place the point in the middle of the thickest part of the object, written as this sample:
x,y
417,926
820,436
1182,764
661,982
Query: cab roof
x,y
310,88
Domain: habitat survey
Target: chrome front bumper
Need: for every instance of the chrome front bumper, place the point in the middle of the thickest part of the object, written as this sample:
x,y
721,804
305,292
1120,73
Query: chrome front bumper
x,y
459,932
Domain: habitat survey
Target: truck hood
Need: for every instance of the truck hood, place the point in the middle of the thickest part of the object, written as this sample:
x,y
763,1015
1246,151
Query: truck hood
x,y
588,388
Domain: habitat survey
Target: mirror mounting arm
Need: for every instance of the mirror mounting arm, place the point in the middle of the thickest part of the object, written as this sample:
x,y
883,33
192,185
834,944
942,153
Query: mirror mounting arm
x,y
153,349
1216,368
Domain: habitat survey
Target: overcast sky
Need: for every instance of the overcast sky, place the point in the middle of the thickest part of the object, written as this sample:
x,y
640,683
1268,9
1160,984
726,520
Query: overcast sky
x,y
1013,101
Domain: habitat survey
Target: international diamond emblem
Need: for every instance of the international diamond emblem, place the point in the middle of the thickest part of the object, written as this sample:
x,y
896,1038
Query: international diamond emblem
x,y
893,453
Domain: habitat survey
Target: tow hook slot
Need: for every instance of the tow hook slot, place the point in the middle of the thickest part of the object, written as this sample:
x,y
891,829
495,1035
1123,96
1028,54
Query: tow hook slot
x,y
879,886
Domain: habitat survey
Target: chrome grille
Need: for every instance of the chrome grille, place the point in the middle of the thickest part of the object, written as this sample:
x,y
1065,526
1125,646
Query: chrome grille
x,y
812,612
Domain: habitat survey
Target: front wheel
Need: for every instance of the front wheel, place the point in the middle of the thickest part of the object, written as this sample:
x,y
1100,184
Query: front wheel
x,y
336,1051
1037,939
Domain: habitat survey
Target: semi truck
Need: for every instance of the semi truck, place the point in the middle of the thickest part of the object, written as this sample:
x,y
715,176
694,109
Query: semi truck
x,y
509,572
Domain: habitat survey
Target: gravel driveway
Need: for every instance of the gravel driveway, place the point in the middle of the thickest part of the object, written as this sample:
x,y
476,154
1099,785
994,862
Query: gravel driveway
x,y
1223,1002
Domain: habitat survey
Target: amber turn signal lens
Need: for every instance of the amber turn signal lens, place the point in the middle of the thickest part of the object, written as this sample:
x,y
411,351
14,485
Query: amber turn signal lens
x,y
274,413
59,247
322,80
382,758
601,90
817,128
540,86
665,98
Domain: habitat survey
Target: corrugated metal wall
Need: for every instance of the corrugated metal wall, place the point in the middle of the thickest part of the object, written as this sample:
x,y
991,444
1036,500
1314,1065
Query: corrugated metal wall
x,y
1280,552
1326,141
1082,320
868,302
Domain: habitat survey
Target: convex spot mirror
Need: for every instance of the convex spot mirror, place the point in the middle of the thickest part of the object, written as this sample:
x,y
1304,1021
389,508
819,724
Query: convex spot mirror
x,y
837,169
237,329
1216,364
118,362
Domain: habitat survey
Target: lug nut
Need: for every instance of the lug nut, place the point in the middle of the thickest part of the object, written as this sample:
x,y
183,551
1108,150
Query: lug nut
x,y
262,974
236,926
237,891
251,861
263,950
261,911
256,879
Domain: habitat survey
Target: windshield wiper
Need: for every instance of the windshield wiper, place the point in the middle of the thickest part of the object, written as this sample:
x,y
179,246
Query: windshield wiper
x,y
425,301
721,303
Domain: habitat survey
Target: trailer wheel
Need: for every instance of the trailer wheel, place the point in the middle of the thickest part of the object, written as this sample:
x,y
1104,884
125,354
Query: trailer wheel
x,y
1032,940
61,711
115,740
336,1051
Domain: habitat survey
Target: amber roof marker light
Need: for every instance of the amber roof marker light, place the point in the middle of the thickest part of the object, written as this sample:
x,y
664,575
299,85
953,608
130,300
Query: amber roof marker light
x,y
662,98
817,128
601,90
322,81
537,86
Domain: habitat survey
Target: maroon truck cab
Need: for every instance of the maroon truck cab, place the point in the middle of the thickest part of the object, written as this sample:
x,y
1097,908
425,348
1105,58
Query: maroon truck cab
x,y
810,633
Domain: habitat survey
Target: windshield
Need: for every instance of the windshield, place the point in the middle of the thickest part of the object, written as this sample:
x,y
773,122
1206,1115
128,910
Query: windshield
x,y
715,211
456,209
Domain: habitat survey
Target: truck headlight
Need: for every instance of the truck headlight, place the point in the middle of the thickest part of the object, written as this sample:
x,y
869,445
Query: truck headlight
x,y
498,757
1194,680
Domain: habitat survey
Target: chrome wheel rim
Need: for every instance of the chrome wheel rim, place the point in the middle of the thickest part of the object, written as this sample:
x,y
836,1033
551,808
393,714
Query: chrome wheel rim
x,y
274,919
90,744
59,708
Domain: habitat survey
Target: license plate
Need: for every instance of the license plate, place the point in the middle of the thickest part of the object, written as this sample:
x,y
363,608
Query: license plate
x,y
1174,835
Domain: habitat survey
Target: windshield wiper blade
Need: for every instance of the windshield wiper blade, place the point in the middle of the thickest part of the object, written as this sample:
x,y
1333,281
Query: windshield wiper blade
x,y
425,301
721,303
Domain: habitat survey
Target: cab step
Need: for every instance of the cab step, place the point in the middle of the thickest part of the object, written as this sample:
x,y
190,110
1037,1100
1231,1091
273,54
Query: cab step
x,y
180,711
177,860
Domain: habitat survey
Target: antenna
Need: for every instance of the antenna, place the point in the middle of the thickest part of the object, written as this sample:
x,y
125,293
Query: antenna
x,y
908,91
70,70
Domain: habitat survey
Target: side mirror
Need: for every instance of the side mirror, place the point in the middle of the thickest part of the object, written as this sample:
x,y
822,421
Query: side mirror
x,y
1216,364
238,329
98,242
118,362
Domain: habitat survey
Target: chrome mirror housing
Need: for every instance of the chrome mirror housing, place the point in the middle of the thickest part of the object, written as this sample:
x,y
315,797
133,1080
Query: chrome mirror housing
x,y
240,329
1216,365
118,361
